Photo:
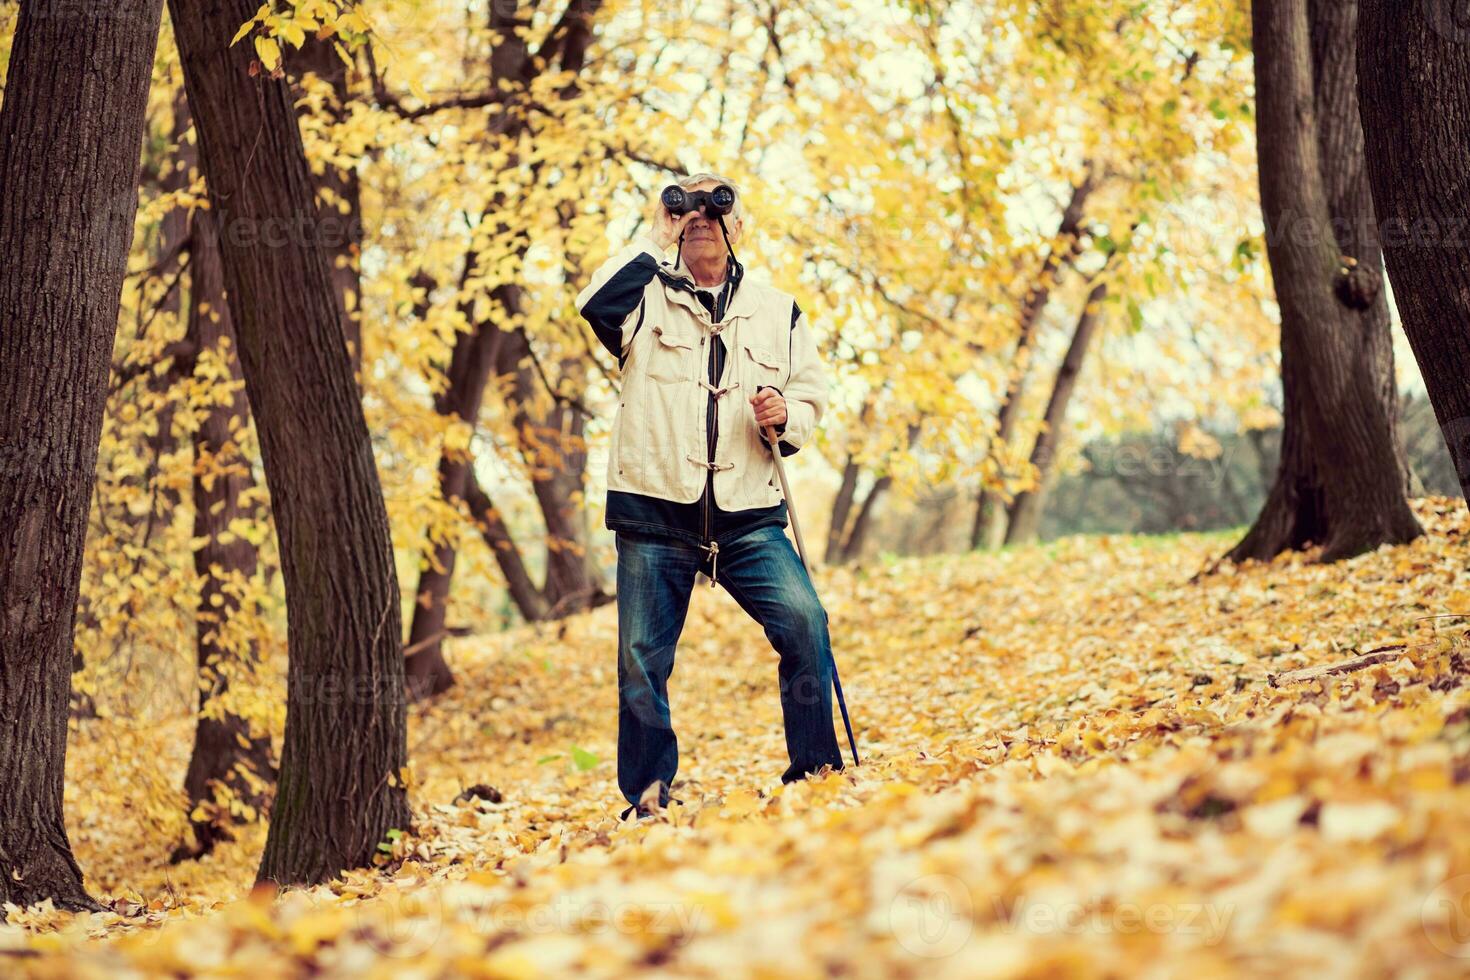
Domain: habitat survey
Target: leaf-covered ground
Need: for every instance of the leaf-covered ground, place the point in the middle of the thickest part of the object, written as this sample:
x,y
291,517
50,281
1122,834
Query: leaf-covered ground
x,y
1074,762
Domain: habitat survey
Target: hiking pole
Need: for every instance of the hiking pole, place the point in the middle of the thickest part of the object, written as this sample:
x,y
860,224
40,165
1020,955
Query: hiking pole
x,y
801,550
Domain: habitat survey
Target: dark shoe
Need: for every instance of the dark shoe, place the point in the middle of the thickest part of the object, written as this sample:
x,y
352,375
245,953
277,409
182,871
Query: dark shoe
x,y
792,774
644,812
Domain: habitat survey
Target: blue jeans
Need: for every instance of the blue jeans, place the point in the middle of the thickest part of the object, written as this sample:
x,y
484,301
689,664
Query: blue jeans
x,y
764,574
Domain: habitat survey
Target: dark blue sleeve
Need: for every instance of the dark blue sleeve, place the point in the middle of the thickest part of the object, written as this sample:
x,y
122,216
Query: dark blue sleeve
x,y
607,308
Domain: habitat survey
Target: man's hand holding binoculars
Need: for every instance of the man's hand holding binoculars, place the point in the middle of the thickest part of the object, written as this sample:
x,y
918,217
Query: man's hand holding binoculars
x,y
667,228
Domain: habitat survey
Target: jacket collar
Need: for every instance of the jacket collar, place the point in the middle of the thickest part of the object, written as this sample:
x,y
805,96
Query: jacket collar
x,y
679,281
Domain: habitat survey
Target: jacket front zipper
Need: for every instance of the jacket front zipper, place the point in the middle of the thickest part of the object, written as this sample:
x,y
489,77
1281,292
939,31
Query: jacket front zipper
x,y
710,427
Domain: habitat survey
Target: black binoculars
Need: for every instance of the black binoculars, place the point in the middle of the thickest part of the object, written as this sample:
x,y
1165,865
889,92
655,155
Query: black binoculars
x,y
713,203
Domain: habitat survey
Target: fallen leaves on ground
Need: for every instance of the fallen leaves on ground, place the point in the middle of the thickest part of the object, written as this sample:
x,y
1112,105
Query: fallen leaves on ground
x,y
1074,762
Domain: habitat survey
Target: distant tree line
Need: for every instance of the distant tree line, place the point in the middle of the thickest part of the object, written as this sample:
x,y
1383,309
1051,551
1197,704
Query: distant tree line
x,y
1142,483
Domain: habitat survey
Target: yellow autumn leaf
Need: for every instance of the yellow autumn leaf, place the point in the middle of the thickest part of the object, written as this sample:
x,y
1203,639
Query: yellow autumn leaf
x,y
269,52
244,29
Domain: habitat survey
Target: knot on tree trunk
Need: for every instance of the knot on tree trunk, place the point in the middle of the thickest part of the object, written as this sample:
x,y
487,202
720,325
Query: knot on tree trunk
x,y
1356,286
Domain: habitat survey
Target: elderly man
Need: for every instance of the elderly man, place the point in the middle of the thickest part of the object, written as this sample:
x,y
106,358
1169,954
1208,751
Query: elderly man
x,y
708,360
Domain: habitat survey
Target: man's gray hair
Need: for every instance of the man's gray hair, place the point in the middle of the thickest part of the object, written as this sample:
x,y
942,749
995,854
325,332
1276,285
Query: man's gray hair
x,y
737,212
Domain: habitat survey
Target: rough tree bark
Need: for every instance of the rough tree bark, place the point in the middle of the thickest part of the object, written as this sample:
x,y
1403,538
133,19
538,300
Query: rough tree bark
x,y
71,126
989,510
338,191
1342,479
339,790
1026,509
226,755
1415,105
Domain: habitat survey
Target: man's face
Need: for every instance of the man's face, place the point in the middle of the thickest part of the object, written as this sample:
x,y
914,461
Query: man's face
x,y
702,239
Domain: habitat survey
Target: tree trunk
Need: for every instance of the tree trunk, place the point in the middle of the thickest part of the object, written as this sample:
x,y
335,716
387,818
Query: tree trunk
x,y
339,791
842,510
528,599
475,354
338,193
228,762
1416,113
427,671
555,453
857,537
850,545
1026,509
838,531
71,126
1342,478
570,582
989,511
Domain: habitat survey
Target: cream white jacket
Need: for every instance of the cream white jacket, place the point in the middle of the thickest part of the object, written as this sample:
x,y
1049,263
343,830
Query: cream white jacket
x,y
644,310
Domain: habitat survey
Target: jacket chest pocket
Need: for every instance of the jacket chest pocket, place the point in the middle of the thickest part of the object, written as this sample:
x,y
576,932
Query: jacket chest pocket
x,y
765,366
670,356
